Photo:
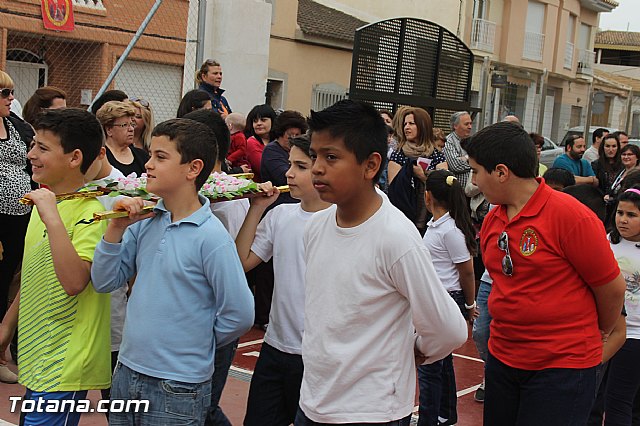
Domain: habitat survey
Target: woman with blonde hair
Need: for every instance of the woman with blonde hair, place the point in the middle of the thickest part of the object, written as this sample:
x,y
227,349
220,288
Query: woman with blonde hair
x,y
209,79
145,123
118,122
15,137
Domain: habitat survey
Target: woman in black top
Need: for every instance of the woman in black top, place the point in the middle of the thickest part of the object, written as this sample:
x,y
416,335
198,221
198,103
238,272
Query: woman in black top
x,y
15,137
118,121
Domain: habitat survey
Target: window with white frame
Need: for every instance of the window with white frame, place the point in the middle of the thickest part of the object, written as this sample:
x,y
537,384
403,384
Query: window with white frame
x,y
534,31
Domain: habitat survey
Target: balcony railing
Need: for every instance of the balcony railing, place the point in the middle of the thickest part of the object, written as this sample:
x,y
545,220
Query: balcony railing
x,y
483,35
586,58
91,4
568,55
533,46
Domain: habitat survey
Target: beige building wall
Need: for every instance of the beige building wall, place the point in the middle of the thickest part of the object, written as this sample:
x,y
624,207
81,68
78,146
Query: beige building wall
x,y
299,64
442,12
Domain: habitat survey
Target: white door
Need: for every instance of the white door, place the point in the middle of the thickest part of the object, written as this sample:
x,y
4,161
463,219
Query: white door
x,y
25,78
159,84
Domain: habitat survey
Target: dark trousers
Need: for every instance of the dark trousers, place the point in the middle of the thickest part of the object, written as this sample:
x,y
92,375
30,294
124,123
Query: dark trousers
x,y
550,397
261,282
623,386
12,232
303,420
437,384
275,388
222,363
597,409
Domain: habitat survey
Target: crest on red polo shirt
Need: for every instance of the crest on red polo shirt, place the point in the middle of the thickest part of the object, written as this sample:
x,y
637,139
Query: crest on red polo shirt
x,y
528,242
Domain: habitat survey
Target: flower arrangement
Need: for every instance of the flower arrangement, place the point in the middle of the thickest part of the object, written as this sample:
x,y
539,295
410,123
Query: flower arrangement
x,y
220,185
217,186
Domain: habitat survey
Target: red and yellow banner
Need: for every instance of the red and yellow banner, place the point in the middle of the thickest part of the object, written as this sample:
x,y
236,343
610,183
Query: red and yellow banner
x,y
57,15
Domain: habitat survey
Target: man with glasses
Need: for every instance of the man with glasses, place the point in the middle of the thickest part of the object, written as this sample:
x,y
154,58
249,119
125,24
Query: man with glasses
x,y
552,304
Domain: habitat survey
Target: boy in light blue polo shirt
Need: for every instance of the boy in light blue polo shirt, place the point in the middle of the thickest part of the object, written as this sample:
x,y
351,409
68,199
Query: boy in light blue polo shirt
x,y
190,294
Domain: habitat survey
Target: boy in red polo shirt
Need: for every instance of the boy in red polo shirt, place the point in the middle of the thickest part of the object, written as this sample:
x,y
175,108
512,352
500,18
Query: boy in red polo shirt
x,y
557,290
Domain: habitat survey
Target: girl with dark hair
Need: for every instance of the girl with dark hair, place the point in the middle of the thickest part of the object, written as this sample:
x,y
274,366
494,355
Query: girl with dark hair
x,y
450,239
193,100
259,131
624,370
609,162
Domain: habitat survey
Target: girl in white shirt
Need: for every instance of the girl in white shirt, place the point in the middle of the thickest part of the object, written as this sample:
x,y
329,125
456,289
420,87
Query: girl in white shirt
x,y
450,239
623,385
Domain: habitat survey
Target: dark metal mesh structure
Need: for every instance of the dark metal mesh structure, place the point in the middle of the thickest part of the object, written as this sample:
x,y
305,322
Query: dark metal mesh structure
x,y
407,61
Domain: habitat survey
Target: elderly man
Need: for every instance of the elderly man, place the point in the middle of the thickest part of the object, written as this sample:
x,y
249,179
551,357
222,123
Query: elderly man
x,y
457,158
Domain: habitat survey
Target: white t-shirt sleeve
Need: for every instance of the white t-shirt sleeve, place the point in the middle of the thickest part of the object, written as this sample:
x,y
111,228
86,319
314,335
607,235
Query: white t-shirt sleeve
x,y
439,325
263,242
456,246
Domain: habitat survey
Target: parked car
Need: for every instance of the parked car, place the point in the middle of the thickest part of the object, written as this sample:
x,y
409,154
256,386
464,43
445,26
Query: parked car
x,y
579,130
550,151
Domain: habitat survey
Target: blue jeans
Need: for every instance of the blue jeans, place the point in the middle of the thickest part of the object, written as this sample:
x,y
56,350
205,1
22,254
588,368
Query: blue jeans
x,y
303,420
480,330
550,397
275,388
171,403
223,359
437,383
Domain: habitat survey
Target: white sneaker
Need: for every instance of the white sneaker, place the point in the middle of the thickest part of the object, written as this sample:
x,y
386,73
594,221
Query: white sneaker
x,y
7,376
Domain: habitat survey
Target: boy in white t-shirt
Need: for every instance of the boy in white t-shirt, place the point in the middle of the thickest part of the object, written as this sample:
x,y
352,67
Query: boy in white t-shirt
x,y
275,385
100,171
373,300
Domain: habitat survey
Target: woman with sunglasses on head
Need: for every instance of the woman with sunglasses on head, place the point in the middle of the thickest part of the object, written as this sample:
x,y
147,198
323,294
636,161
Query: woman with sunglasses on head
x,y
144,123
15,170
118,122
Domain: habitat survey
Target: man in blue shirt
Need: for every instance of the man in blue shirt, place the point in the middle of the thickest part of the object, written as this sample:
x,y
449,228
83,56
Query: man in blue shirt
x,y
190,294
572,161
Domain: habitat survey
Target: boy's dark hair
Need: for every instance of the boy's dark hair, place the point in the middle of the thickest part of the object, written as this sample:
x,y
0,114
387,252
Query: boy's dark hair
x,y
358,124
303,142
632,197
289,120
504,143
597,133
193,141
216,123
561,177
109,95
191,101
260,111
591,197
77,129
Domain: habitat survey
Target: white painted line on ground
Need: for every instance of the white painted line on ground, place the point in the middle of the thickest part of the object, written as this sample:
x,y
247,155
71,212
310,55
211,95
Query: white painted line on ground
x,y
466,391
253,353
250,343
3,423
469,358
460,393
239,370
